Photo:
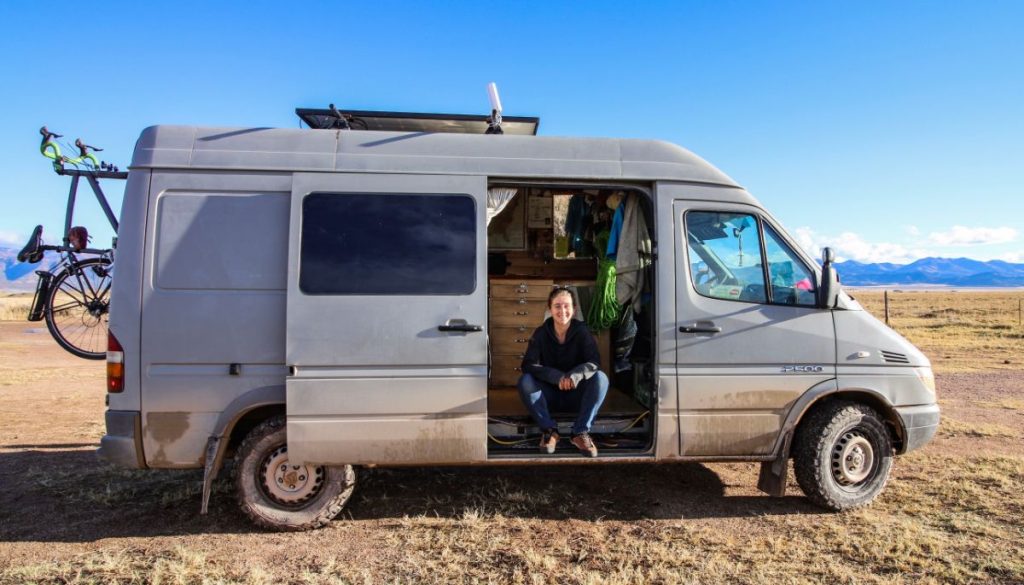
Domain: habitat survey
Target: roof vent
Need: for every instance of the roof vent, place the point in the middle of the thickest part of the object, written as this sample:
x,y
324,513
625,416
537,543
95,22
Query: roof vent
x,y
894,358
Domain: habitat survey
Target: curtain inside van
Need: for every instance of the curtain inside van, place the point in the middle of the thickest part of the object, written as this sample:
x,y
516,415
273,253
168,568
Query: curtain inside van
x,y
497,199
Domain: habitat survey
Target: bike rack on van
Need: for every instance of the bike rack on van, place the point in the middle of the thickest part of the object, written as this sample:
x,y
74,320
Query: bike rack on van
x,y
91,177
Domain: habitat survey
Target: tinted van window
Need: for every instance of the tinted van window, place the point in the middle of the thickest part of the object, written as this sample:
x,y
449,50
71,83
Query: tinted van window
x,y
387,244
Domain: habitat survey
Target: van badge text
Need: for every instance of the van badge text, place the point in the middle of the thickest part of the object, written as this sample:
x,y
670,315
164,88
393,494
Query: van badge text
x,y
802,369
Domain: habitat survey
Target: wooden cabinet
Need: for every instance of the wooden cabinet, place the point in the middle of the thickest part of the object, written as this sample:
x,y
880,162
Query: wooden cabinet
x,y
517,307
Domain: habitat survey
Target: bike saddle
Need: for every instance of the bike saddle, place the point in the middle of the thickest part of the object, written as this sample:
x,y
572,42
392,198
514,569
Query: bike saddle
x,y
31,253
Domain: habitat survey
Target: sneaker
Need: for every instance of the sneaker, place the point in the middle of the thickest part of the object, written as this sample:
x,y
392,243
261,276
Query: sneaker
x,y
585,444
548,441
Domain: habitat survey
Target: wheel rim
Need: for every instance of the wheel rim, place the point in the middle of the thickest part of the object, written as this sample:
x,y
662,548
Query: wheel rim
x,y
289,485
853,459
78,307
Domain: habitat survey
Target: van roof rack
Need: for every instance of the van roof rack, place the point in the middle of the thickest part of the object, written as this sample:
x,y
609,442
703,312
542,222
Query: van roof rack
x,y
325,119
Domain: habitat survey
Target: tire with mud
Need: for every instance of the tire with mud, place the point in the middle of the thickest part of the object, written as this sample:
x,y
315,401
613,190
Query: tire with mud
x,y
275,494
842,455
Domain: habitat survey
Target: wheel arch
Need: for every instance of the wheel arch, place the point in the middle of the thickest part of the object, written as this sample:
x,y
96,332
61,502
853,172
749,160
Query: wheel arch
x,y
241,415
829,391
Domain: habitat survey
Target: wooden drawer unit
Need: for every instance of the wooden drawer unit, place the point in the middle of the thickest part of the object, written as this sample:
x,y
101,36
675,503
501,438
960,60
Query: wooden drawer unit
x,y
513,313
505,370
517,307
510,340
537,290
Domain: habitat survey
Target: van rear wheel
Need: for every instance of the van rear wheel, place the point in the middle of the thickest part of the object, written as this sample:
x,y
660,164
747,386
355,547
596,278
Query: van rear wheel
x,y
278,495
842,455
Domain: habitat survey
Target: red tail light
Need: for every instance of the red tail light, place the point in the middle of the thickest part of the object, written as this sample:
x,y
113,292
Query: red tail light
x,y
115,365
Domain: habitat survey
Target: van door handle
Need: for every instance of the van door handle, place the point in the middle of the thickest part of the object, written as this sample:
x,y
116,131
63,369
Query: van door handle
x,y
700,329
465,327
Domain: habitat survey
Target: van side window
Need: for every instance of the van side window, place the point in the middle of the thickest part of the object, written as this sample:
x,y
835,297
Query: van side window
x,y
792,283
725,256
388,244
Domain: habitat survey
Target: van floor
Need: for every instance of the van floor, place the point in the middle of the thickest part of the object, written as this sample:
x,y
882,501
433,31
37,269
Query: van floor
x,y
622,426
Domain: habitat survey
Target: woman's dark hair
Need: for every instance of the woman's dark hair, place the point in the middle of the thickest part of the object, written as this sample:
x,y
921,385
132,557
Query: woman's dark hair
x,y
559,290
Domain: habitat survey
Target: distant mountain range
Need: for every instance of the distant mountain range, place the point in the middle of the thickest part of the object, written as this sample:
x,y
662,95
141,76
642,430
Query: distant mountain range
x,y
17,276
962,272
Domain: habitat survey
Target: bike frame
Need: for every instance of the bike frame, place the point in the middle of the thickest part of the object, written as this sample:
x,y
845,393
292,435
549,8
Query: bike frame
x,y
91,177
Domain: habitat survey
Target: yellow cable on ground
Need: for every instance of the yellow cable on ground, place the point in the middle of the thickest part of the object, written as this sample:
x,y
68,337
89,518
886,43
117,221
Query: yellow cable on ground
x,y
500,442
633,424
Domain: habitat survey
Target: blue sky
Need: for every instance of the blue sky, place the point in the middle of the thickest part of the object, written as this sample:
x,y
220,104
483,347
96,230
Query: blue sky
x,y
890,131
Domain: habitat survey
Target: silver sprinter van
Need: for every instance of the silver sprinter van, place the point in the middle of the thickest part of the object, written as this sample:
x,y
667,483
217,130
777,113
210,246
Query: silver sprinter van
x,y
307,301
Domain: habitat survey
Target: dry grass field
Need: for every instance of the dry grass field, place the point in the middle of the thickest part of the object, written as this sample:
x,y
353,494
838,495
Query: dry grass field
x,y
952,512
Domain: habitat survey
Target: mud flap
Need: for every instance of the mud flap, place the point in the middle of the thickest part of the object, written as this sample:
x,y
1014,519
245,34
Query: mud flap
x,y
775,474
210,471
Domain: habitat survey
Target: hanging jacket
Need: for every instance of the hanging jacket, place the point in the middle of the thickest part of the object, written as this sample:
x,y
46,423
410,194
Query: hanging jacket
x,y
634,254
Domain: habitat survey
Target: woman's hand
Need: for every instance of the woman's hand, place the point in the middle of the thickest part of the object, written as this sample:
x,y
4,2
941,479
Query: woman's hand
x,y
566,384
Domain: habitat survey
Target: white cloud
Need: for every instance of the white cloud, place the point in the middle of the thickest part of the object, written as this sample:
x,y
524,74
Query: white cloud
x,y
11,239
850,246
912,230
1013,257
959,235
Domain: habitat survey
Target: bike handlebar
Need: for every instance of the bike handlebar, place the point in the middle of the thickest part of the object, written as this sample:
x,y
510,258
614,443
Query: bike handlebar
x,y
83,148
47,135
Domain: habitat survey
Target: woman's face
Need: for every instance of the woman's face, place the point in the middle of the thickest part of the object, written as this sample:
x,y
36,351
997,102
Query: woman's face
x,y
561,308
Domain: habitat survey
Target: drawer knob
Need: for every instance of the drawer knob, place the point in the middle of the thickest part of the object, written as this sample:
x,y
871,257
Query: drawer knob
x,y
522,301
522,340
522,313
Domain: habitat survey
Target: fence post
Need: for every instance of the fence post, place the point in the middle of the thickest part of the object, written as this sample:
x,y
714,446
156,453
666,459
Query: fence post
x,y
886,306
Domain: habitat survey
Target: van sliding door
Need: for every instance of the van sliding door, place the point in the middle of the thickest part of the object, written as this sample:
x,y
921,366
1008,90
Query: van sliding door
x,y
387,302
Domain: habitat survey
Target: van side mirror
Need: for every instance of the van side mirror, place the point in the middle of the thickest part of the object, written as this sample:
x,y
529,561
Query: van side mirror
x,y
828,288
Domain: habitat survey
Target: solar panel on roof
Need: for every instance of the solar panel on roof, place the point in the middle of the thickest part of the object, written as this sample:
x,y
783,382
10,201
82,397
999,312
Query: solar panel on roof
x,y
322,118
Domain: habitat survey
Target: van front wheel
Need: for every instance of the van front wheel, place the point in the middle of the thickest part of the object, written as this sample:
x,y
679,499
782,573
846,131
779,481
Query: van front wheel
x,y
842,455
275,494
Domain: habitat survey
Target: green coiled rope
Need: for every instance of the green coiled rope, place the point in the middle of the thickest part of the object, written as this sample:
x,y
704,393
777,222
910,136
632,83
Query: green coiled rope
x,y
604,312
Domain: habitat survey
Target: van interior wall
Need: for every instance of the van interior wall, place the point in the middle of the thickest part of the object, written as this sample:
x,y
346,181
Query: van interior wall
x,y
558,236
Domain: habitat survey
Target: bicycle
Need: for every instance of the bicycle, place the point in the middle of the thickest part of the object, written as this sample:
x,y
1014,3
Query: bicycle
x,y
73,295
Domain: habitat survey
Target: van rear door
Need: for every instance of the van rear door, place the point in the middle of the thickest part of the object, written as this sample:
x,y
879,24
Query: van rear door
x,y
387,302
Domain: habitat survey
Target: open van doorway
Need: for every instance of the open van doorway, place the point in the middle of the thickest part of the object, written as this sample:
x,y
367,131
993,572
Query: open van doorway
x,y
542,236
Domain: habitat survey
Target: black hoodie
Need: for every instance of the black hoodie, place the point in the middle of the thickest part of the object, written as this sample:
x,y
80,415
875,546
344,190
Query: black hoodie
x,y
550,361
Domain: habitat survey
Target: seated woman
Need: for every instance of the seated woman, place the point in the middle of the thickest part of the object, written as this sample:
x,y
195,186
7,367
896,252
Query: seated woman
x,y
561,371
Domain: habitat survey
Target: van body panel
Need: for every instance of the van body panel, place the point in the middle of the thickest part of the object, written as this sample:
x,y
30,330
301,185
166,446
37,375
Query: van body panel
x,y
449,395
126,289
667,442
896,386
432,388
298,150
859,332
734,386
177,439
213,295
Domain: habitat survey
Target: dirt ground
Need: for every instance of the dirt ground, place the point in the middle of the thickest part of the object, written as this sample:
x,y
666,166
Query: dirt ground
x,y
952,512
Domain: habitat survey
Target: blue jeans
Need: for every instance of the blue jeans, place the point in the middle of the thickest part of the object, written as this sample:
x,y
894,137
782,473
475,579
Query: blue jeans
x,y
585,398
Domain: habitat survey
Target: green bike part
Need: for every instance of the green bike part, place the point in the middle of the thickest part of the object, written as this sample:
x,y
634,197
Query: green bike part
x,y
54,151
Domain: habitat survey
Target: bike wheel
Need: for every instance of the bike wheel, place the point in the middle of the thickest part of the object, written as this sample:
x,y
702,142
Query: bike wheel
x,y
78,307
